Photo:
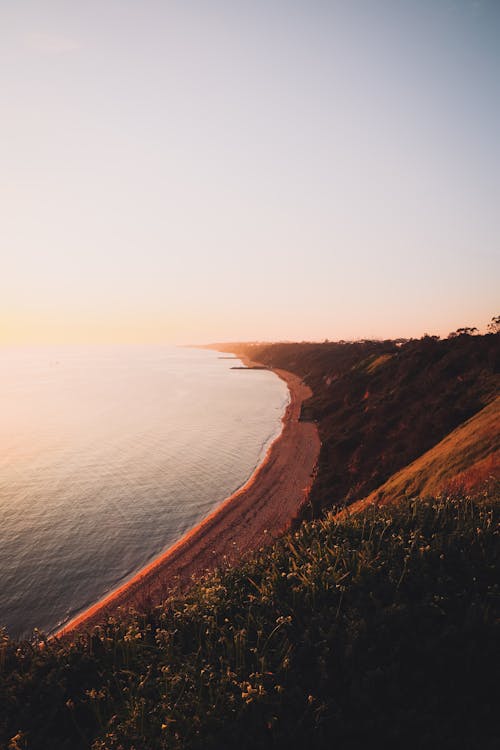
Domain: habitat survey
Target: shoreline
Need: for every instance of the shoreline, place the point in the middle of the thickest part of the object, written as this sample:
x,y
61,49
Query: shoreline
x,y
262,509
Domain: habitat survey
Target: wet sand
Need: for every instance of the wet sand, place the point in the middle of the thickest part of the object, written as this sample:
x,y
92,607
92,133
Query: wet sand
x,y
254,515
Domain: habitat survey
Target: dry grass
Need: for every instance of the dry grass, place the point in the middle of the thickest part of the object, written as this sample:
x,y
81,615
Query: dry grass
x,y
466,459
378,362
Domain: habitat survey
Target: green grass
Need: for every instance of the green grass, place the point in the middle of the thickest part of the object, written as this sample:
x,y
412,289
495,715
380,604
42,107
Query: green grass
x,y
380,631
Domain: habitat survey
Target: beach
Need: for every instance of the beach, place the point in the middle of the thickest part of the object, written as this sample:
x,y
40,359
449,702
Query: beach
x,y
254,515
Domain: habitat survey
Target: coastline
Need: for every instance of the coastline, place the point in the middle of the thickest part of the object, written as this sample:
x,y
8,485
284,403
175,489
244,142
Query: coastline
x,y
255,514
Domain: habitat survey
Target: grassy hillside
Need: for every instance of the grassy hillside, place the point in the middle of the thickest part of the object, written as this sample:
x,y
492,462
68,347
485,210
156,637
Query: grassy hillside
x,y
380,631
467,458
380,405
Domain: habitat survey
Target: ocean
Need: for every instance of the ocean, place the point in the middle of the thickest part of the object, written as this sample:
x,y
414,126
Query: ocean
x,y
108,455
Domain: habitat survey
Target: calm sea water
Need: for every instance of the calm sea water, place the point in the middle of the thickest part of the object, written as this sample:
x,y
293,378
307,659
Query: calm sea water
x,y
107,457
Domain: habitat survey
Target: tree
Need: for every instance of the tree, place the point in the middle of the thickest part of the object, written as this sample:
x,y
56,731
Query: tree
x,y
465,331
494,325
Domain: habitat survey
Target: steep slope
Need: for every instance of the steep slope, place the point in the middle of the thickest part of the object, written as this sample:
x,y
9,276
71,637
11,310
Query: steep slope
x,y
380,405
467,459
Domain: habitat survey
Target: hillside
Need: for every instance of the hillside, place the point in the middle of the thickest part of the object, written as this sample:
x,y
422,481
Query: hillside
x,y
380,631
381,405
467,459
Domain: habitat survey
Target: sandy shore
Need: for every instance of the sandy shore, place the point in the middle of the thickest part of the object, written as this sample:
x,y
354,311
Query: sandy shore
x,y
254,515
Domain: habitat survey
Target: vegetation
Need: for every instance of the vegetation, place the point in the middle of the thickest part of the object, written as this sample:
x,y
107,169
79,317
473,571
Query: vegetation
x,y
377,628
467,458
494,324
380,630
382,404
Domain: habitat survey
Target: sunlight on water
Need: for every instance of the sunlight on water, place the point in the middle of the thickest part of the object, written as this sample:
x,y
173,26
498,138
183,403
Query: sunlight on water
x,y
107,456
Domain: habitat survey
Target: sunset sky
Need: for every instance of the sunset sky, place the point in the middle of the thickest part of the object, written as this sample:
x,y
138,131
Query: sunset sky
x,y
191,171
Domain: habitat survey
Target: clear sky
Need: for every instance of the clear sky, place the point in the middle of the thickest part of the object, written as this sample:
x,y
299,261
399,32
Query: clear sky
x,y
197,170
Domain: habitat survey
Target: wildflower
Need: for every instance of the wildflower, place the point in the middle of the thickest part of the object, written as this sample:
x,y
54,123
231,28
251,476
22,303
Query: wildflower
x,y
15,741
284,620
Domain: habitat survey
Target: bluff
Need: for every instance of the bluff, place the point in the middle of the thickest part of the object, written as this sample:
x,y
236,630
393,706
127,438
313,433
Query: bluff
x,y
380,405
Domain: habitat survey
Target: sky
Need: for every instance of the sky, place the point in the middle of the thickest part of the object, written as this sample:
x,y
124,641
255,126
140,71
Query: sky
x,y
196,171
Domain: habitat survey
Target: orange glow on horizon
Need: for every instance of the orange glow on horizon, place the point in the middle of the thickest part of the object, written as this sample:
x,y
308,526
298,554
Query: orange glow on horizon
x,y
195,328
